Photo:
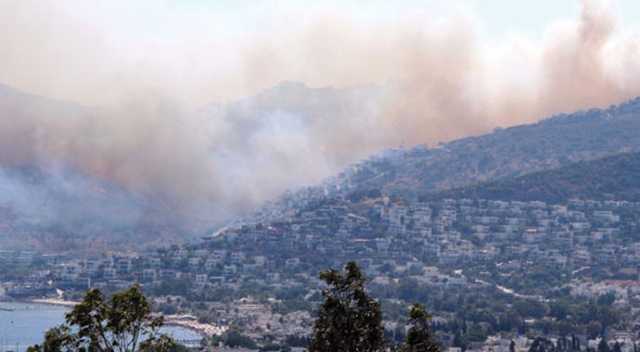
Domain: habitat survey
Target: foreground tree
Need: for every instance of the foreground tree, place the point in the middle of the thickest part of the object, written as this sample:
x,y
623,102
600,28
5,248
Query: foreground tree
x,y
418,338
348,320
122,323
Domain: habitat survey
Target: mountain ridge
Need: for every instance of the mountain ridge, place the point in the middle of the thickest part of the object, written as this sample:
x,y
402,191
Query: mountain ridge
x,y
265,118
505,153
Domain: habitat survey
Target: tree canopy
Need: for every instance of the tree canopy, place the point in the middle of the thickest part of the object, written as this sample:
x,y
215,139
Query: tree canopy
x,y
121,323
418,338
349,320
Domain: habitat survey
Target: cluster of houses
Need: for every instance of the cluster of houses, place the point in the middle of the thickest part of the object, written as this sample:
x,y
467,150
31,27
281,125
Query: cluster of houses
x,y
431,242
455,232
387,240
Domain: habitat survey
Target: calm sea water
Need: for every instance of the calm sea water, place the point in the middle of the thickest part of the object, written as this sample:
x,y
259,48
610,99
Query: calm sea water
x,y
24,324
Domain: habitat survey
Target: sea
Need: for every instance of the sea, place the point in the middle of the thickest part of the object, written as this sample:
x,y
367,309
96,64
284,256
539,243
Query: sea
x,y
24,324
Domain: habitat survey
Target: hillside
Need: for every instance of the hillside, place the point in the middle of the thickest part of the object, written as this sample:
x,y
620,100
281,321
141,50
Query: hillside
x,y
66,210
47,201
615,177
170,190
505,153
155,170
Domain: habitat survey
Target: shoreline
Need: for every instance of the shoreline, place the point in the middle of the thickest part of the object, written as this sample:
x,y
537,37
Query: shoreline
x,y
52,302
203,330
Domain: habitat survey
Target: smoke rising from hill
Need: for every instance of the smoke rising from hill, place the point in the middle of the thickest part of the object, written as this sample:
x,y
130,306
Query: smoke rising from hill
x,y
434,81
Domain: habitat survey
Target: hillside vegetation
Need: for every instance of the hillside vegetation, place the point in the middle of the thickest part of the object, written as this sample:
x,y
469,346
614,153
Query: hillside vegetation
x,y
615,177
505,153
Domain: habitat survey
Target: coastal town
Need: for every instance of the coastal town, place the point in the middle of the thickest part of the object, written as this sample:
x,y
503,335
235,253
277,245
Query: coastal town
x,y
261,273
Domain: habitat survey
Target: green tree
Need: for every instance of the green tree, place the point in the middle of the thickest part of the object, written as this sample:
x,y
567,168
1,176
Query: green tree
x,y
234,338
603,346
349,320
529,308
121,323
418,338
541,344
617,347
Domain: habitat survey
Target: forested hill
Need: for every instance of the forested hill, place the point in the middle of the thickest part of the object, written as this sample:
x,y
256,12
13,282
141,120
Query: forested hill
x,y
505,153
615,177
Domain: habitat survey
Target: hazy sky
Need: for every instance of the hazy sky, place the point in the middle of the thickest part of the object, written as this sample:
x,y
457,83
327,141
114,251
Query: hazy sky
x,y
449,68
101,52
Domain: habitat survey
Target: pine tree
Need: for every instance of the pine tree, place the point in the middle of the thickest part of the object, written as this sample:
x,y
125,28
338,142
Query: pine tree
x,y
348,320
418,338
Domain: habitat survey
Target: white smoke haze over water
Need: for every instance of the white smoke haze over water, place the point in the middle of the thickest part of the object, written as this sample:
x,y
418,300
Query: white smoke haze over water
x,y
146,121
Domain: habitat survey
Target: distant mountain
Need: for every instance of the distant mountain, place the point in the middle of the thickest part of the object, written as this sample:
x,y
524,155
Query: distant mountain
x,y
22,102
503,154
615,177
174,172
47,202
234,156
152,169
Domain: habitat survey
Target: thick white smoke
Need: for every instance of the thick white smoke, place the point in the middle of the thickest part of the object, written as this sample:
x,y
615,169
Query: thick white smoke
x,y
405,81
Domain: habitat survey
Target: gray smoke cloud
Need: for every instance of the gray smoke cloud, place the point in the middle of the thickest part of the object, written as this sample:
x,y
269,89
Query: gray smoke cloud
x,y
403,82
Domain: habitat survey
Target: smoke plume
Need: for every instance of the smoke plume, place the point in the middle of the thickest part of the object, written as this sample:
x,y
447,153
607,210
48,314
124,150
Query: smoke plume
x,y
396,82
